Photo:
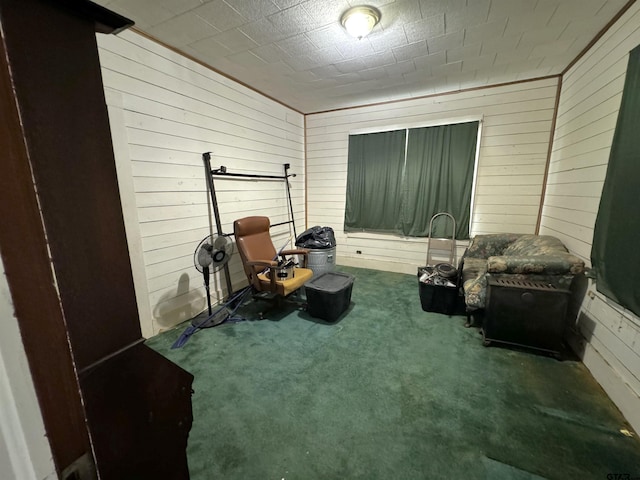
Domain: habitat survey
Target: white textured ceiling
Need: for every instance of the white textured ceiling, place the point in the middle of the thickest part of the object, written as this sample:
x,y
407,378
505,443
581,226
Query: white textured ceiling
x,y
296,51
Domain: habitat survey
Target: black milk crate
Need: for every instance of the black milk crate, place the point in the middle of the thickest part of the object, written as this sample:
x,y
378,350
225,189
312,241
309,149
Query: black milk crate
x,y
437,298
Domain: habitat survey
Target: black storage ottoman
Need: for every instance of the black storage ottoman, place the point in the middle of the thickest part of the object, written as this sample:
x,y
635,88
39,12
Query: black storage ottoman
x,y
329,295
437,298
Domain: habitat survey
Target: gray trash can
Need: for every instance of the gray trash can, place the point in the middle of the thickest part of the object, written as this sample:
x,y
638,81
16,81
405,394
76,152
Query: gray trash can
x,y
321,243
321,260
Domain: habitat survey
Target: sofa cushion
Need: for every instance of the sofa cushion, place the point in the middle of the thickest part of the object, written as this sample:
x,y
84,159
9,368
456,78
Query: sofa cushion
x,y
474,283
527,245
475,289
558,263
483,246
473,267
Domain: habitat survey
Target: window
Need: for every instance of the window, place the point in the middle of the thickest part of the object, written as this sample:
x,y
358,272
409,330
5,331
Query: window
x,y
614,253
397,180
374,181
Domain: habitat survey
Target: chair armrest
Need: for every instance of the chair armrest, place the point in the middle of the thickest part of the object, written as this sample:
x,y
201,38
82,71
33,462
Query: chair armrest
x,y
550,264
304,252
265,264
298,251
262,263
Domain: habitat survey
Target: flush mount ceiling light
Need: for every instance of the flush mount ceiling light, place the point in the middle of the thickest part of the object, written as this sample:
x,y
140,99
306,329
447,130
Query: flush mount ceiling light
x,y
359,21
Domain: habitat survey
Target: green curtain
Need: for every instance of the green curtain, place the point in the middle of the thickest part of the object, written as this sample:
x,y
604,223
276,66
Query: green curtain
x,y
374,181
615,252
439,178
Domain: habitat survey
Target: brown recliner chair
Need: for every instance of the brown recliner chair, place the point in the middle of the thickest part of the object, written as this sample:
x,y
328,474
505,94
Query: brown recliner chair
x,y
258,255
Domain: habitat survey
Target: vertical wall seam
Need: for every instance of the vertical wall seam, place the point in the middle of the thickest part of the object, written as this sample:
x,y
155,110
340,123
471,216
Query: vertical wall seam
x,y
552,135
306,186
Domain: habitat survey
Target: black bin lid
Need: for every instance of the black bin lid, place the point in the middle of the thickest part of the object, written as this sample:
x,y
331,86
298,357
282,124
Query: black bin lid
x,y
330,282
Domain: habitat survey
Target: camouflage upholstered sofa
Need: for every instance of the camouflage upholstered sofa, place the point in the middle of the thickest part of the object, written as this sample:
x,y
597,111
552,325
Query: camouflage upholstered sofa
x,y
531,257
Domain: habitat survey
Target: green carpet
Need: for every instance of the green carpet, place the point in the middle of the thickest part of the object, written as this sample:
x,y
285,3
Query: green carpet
x,y
390,392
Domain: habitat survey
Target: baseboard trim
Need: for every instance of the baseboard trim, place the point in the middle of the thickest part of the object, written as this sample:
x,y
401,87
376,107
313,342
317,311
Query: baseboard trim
x,y
395,267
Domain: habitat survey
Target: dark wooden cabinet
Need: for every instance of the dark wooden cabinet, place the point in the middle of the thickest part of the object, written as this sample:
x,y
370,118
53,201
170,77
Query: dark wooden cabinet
x,y
526,314
105,397
138,405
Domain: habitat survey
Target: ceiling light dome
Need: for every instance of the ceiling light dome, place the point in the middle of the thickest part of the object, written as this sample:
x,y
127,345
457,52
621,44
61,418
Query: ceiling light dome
x,y
359,21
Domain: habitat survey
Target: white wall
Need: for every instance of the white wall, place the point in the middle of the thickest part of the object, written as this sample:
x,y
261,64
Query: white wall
x,y
516,129
24,449
609,337
165,111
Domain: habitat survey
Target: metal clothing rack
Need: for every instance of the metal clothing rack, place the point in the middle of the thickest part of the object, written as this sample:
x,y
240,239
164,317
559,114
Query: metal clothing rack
x,y
210,174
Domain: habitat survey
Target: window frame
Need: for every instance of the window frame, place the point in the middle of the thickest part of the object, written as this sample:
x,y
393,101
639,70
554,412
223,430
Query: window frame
x,y
371,235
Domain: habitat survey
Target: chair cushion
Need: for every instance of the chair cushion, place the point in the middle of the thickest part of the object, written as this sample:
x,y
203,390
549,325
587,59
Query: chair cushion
x,y
251,226
285,287
254,242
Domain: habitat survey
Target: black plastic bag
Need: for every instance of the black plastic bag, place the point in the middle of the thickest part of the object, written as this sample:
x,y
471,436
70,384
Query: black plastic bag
x,y
317,237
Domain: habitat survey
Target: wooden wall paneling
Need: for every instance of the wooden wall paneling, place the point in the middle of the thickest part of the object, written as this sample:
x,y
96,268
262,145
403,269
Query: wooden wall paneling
x,y
129,210
606,336
514,144
174,109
